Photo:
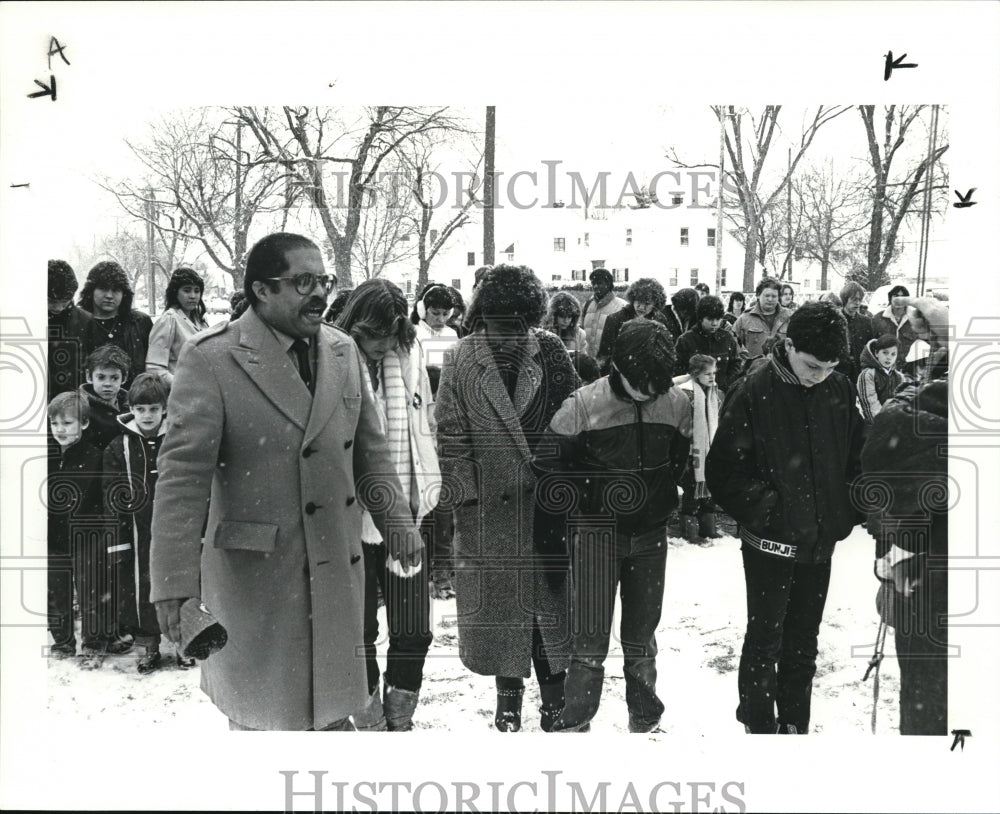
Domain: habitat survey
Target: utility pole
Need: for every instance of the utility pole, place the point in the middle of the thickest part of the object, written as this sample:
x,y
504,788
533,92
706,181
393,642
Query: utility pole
x,y
718,208
150,214
791,248
489,244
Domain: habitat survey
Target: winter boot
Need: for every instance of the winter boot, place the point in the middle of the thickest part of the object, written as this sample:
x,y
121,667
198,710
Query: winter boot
x,y
689,529
398,706
553,702
510,693
372,717
706,526
584,685
151,660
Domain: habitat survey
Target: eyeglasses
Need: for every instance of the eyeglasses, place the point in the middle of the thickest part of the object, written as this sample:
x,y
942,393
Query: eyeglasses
x,y
305,283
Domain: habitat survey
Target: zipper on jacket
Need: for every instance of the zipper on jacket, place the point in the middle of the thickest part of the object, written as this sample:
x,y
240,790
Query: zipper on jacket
x,y
638,417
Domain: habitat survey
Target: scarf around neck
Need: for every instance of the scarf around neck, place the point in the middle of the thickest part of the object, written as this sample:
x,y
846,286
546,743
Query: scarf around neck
x,y
706,420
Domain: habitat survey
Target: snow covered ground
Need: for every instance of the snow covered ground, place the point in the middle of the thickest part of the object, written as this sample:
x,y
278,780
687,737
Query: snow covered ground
x,y
699,637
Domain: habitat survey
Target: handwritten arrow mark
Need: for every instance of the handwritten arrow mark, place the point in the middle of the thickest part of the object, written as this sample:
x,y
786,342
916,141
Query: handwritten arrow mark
x,y
45,89
891,64
965,200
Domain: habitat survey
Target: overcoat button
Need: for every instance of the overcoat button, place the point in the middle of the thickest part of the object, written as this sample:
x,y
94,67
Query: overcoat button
x,y
355,558
347,444
311,507
350,500
505,498
307,452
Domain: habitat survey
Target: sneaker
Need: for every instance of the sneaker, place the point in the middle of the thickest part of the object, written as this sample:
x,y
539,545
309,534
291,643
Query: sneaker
x,y
150,662
184,662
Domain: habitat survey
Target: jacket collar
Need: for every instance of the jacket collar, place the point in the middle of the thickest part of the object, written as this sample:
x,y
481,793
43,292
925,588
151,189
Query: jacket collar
x,y
779,361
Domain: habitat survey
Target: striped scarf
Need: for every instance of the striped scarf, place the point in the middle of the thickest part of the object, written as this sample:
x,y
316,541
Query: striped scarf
x,y
706,420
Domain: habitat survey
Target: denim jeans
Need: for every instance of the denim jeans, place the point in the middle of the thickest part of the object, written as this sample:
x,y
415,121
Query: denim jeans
x,y
407,608
604,561
785,602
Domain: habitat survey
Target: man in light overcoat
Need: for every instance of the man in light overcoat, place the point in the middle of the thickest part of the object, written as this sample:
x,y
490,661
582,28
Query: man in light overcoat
x,y
274,438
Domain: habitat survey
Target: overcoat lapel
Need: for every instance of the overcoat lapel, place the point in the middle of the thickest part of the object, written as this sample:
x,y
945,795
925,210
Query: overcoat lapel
x,y
331,371
528,381
271,370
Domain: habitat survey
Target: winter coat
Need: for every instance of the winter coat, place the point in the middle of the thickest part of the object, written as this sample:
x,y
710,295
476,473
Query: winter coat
x,y
859,333
675,324
129,483
720,345
436,345
784,457
607,445
485,444
576,343
132,337
906,457
281,566
876,385
752,332
885,323
104,426
71,339
613,326
595,316
74,495
167,337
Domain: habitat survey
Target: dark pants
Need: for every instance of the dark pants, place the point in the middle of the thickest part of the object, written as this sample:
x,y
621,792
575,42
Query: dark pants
x,y
407,608
86,569
603,562
785,602
60,599
136,615
922,652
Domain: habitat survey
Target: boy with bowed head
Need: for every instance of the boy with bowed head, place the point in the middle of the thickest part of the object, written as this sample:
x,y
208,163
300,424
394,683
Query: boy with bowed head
x,y
784,455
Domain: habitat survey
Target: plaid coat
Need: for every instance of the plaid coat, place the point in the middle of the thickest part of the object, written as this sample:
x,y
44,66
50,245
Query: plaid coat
x,y
485,444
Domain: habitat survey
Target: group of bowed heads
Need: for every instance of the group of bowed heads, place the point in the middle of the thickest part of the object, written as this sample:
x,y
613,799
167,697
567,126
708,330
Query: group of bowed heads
x,y
523,455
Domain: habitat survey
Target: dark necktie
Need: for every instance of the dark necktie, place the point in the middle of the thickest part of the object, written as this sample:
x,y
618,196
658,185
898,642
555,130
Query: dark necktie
x,y
301,348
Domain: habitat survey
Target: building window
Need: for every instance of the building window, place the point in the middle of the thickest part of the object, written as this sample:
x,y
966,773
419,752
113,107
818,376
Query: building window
x,y
578,275
711,237
620,275
405,238
798,253
807,284
722,282
510,257
673,277
694,276
409,286
470,259
684,236
556,277
677,198
628,241
586,239
559,244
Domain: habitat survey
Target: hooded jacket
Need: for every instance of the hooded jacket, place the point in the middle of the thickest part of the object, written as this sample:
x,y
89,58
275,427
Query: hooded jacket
x,y
104,425
784,457
129,481
876,385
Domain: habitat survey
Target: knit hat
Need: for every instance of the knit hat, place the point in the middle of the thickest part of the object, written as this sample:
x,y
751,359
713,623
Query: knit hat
x,y
109,275
62,281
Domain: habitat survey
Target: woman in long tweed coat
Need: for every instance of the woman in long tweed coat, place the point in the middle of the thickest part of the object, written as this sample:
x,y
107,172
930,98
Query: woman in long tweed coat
x,y
500,387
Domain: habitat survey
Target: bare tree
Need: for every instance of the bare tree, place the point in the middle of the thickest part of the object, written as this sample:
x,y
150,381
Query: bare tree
x,y
204,182
748,149
430,194
894,188
832,207
384,229
307,141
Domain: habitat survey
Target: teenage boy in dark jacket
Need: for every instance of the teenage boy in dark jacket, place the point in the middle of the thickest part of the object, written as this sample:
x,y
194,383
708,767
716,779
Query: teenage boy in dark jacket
x,y
621,443
784,456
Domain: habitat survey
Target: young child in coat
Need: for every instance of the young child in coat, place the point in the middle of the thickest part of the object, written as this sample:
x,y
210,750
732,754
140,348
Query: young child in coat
x,y
76,537
129,486
697,516
879,379
106,369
